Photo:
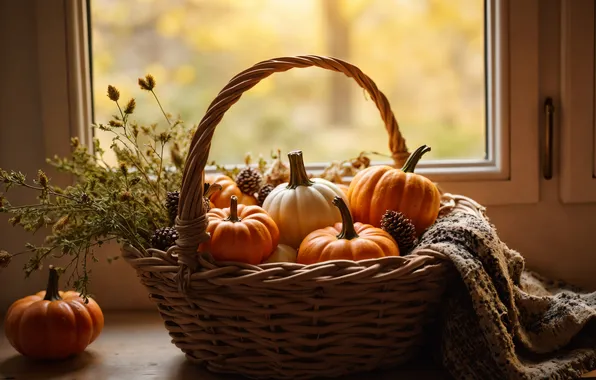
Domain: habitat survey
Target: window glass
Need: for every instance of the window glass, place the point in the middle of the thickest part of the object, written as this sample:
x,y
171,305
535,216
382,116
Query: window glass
x,y
427,56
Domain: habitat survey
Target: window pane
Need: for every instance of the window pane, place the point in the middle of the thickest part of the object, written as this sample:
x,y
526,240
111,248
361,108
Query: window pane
x,y
427,56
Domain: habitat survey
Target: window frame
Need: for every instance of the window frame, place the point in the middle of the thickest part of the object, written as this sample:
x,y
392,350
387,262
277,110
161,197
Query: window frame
x,y
516,84
578,128
509,176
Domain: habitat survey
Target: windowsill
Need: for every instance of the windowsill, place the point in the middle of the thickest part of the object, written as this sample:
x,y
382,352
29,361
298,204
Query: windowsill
x,y
135,345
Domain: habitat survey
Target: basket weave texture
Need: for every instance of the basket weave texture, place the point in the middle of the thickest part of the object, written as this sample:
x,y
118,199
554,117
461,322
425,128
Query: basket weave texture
x,y
290,320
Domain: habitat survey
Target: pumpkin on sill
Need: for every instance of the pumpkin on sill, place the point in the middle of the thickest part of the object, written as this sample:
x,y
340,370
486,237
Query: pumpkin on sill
x,y
53,324
346,241
376,189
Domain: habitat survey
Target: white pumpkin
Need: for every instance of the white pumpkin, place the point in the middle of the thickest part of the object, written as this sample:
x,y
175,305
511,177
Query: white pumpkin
x,y
302,205
282,254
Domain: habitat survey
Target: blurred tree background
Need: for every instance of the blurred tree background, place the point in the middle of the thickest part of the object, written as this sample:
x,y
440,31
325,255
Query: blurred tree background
x,y
427,56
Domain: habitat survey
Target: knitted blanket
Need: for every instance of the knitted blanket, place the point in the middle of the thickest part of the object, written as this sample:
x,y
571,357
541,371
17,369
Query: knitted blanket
x,y
501,321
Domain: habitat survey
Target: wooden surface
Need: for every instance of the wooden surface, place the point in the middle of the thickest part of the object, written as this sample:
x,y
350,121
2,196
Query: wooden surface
x,y
136,346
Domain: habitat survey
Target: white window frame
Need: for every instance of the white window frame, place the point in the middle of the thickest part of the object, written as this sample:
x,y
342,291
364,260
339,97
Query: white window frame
x,y
510,176
578,129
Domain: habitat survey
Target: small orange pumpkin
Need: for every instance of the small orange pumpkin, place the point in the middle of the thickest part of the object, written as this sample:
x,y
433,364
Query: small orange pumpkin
x,y
346,241
377,189
53,324
241,233
221,199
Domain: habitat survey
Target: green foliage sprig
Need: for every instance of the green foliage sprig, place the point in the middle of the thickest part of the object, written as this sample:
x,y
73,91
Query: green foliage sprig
x,y
124,203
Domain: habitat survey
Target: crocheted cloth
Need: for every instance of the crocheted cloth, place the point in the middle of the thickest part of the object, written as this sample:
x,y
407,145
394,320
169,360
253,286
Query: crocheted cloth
x,y
501,321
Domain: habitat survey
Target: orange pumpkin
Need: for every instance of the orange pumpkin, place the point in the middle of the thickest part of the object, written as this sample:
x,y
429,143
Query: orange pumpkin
x,y
377,189
240,233
221,199
53,324
346,241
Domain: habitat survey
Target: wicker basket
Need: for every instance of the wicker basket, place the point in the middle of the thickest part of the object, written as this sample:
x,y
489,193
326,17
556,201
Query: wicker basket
x,y
290,320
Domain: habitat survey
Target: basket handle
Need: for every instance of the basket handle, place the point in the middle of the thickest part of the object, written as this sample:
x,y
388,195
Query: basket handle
x,y
191,222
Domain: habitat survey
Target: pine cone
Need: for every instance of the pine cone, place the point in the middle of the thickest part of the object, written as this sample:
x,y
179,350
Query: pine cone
x,y
249,180
401,229
172,200
164,237
264,192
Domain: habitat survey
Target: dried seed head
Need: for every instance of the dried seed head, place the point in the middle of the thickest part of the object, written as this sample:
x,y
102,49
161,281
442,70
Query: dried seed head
x,y
74,142
5,258
123,169
61,223
147,83
15,220
176,155
115,123
150,81
164,137
143,84
42,179
113,93
126,196
130,106
85,198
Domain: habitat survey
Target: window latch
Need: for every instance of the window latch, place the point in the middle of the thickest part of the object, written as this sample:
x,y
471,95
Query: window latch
x,y
547,154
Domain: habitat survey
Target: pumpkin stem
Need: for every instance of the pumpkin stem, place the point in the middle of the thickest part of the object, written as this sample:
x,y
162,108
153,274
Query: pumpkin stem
x,y
212,189
412,161
298,175
347,223
52,293
233,210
